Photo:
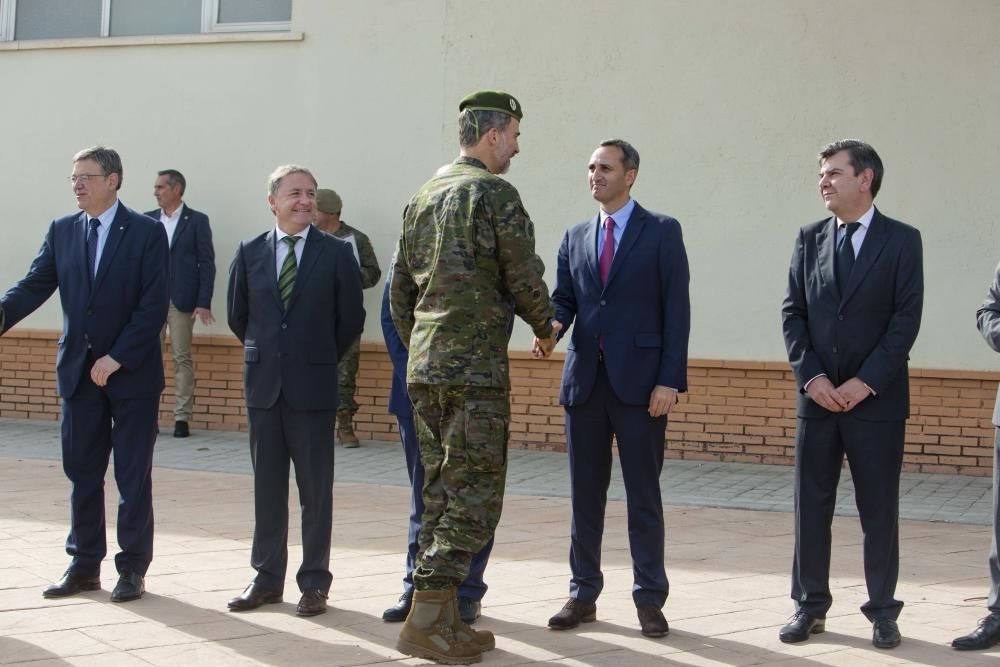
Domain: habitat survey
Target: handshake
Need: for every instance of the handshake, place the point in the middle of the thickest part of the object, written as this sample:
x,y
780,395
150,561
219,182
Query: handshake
x,y
541,348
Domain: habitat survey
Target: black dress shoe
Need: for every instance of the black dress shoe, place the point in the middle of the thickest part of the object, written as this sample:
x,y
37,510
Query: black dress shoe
x,y
469,609
398,612
130,586
885,633
652,622
181,429
312,603
72,582
573,613
253,597
983,637
800,626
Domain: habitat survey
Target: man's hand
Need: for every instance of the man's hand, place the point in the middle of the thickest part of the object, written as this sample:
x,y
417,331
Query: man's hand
x,y
542,347
661,401
102,370
204,314
854,391
822,391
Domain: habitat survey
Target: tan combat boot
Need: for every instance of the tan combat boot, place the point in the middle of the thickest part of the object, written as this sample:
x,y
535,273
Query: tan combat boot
x,y
345,430
428,631
482,638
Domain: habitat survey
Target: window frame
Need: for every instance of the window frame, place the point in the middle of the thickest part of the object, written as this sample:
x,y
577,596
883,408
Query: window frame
x,y
209,21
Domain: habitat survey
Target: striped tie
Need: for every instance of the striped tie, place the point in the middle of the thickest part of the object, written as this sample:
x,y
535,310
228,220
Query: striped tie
x,y
286,279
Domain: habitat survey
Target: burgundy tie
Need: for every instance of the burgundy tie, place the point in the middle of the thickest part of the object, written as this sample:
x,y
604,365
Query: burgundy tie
x,y
608,251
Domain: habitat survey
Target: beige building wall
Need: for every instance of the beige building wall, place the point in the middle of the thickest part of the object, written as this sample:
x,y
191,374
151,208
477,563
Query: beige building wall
x,y
726,100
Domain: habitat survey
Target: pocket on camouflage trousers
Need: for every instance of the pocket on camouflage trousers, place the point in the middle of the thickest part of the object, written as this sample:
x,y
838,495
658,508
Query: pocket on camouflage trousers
x,y
486,430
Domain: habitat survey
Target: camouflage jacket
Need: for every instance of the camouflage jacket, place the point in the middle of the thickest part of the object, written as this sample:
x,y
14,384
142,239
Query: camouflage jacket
x,y
370,271
465,264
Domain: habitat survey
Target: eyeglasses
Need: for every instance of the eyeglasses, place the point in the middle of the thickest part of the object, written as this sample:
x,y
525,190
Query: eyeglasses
x,y
83,178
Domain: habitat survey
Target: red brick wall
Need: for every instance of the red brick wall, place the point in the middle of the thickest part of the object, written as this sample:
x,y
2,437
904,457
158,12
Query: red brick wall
x,y
735,410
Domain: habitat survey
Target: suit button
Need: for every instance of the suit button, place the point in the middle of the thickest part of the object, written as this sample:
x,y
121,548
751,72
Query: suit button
x,y
284,326
835,349
603,302
840,317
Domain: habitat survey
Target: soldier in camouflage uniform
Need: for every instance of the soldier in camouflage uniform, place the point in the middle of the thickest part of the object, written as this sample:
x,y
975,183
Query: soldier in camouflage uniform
x,y
465,261
328,208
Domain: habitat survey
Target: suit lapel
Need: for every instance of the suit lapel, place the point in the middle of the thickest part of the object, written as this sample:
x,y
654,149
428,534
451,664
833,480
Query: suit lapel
x,y
632,230
871,248
118,228
182,223
271,266
590,245
310,253
826,250
80,230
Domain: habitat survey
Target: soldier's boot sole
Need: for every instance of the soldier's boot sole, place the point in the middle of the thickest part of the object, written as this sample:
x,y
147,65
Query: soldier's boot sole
x,y
419,651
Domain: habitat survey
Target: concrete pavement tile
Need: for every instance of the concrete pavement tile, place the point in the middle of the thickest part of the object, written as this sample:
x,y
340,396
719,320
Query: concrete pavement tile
x,y
98,612
17,577
42,645
137,634
112,659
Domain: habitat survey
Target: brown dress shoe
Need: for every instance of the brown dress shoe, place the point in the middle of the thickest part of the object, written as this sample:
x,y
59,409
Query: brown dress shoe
x,y
312,603
652,622
573,613
253,597
72,582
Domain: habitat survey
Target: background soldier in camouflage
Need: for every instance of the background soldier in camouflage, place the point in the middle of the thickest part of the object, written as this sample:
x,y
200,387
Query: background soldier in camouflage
x,y
465,261
328,208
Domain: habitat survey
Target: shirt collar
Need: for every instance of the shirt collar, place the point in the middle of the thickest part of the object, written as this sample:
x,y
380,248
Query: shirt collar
x,y
108,216
865,220
176,214
278,234
622,215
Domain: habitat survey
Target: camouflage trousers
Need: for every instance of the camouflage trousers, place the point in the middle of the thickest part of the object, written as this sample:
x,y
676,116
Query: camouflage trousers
x,y
463,446
347,378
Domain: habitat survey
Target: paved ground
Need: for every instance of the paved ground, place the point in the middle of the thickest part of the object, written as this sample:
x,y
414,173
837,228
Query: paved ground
x,y
728,568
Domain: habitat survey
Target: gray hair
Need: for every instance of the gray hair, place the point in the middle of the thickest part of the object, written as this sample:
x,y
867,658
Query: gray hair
x,y
860,156
274,180
630,156
174,178
474,123
107,158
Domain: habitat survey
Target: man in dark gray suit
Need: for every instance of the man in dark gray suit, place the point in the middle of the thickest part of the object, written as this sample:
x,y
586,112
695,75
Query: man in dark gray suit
x,y
988,632
294,301
850,317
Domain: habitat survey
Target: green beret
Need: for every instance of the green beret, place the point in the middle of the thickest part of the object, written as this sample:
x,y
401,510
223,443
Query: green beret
x,y
492,100
328,201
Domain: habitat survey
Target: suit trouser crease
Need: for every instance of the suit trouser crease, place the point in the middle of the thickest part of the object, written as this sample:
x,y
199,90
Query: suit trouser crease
x,y
95,426
994,597
280,435
874,452
463,448
181,326
474,586
641,439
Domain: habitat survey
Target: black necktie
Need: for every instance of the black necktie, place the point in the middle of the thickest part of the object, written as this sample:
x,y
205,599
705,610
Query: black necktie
x,y
92,248
845,255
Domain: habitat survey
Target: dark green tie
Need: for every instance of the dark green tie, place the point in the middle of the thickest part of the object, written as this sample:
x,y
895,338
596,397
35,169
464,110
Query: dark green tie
x,y
286,279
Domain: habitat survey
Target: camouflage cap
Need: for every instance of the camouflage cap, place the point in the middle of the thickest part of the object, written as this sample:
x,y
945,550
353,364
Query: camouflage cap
x,y
492,100
328,201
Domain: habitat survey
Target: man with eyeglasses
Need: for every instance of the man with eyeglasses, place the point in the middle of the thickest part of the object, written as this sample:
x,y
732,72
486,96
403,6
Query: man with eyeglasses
x,y
111,267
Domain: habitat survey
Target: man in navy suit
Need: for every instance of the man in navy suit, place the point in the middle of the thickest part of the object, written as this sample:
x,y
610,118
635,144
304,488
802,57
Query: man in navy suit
x,y
850,316
472,590
623,277
294,301
192,279
110,265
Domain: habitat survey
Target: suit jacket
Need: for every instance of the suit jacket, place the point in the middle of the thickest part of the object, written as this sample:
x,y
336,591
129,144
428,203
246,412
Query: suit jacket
x,y
867,331
988,321
294,352
192,260
120,315
643,314
399,398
